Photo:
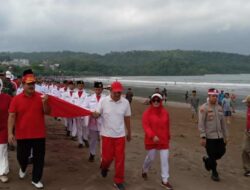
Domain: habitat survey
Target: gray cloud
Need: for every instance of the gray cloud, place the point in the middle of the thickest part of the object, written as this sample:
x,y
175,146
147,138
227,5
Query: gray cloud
x,y
116,25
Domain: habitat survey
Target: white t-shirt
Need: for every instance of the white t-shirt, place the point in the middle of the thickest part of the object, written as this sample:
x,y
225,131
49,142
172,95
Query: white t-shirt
x,y
113,114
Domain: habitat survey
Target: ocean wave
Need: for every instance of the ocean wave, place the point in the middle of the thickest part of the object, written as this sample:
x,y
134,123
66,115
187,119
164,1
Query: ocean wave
x,y
170,83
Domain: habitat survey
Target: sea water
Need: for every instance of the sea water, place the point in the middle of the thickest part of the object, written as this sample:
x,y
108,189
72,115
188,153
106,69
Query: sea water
x,y
238,84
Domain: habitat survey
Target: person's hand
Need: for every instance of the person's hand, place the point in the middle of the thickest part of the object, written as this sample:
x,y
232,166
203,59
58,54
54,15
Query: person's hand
x,y
11,139
45,98
95,114
156,139
128,137
203,142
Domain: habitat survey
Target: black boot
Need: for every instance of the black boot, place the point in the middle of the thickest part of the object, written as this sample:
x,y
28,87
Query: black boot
x,y
86,143
91,158
205,160
215,176
68,133
80,146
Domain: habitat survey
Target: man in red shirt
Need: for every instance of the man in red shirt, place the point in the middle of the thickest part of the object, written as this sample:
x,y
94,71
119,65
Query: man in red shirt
x,y
26,114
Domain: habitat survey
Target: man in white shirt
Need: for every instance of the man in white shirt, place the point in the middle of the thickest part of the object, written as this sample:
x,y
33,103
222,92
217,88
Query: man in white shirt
x,y
68,96
115,111
94,124
56,90
64,88
79,97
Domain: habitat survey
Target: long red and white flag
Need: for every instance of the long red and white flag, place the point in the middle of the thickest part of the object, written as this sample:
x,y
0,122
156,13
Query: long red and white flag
x,y
61,108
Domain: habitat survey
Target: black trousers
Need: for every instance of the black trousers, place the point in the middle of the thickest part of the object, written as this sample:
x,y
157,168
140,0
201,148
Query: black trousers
x,y
23,152
215,148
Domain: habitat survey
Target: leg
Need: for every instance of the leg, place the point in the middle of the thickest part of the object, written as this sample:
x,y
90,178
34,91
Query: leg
x,y
107,152
149,160
74,127
211,151
85,133
4,163
38,160
79,131
215,150
164,154
23,153
70,123
86,136
93,135
246,153
119,160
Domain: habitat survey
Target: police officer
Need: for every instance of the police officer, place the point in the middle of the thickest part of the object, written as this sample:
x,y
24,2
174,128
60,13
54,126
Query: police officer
x,y
213,132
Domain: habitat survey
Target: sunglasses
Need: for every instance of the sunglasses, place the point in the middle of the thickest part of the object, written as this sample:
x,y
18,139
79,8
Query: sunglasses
x,y
156,100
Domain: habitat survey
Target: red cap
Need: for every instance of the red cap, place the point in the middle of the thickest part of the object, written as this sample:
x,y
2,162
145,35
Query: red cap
x,y
213,91
116,87
29,78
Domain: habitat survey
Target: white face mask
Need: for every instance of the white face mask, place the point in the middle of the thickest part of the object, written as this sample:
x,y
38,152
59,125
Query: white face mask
x,y
1,85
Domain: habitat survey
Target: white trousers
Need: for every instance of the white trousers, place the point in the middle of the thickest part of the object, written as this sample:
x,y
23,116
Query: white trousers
x,y
72,126
65,122
93,141
164,155
82,130
4,163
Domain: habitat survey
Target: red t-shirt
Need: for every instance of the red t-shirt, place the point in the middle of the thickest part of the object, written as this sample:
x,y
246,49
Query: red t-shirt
x,y
30,123
5,100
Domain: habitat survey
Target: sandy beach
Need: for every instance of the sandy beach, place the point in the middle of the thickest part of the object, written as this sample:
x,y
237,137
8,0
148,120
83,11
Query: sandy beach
x,y
67,166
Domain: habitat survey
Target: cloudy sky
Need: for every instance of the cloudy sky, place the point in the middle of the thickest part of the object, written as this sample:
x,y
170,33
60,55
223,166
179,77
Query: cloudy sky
x,y
101,26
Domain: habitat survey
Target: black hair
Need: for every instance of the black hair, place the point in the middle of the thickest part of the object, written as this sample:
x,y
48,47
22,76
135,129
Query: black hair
x,y
28,71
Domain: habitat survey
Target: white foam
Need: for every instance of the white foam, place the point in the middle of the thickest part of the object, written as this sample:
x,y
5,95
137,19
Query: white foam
x,y
168,83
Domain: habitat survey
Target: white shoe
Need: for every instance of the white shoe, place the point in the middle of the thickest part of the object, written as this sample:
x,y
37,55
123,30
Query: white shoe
x,y
21,174
38,185
4,179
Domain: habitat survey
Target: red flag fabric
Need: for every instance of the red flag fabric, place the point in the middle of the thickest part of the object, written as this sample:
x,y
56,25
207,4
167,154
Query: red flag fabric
x,y
61,108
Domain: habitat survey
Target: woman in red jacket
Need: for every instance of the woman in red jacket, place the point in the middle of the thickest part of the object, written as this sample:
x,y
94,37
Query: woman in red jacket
x,y
155,123
4,106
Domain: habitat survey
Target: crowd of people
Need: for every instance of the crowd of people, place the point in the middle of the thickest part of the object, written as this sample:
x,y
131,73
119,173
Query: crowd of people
x,y
27,99
225,100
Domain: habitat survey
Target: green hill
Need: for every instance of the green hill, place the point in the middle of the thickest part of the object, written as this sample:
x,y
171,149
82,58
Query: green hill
x,y
174,62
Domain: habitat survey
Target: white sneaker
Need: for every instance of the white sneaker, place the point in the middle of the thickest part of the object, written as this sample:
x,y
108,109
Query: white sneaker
x,y
21,174
38,185
4,179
